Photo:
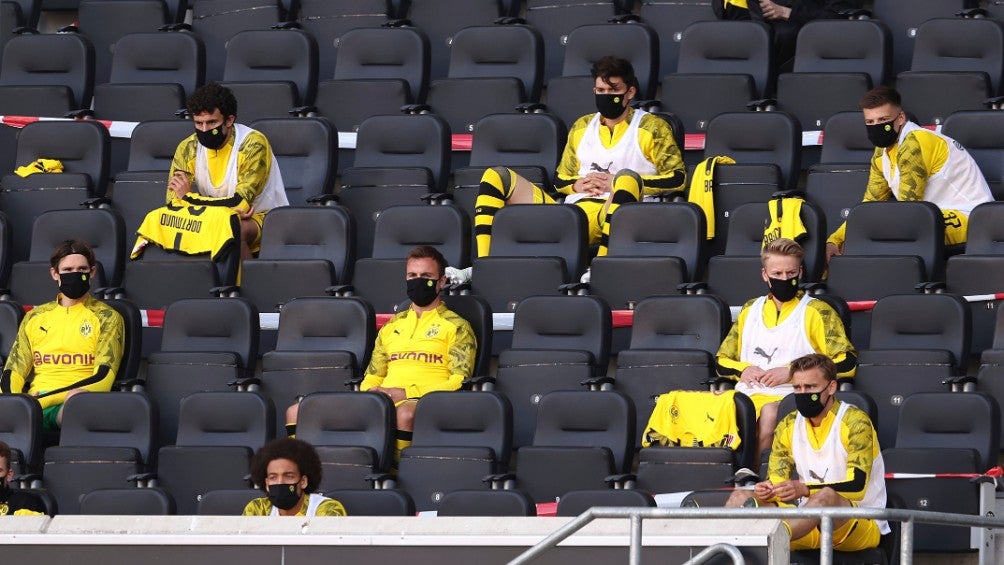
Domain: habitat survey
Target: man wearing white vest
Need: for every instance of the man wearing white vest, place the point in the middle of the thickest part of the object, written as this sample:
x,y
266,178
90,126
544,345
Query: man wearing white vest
x,y
226,164
825,454
773,330
617,155
912,163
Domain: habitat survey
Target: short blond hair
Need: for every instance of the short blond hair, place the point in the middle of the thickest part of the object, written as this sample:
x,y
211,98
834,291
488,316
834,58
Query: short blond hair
x,y
782,246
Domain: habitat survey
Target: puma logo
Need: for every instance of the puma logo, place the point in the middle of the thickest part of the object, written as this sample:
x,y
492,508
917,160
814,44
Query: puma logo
x,y
600,168
816,476
43,329
709,417
762,353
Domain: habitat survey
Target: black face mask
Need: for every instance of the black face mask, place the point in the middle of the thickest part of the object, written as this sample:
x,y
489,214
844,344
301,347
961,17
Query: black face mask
x,y
283,497
610,106
213,138
883,134
74,285
809,404
422,291
783,289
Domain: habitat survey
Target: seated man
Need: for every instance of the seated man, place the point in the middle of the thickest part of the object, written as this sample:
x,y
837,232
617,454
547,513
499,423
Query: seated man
x,y
70,345
289,470
813,466
225,164
612,157
15,502
913,163
424,348
772,330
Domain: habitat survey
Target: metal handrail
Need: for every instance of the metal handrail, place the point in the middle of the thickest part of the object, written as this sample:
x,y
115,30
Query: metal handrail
x,y
826,516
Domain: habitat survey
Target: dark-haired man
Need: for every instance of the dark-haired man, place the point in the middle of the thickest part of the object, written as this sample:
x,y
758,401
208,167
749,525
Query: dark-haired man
x,y
614,156
912,163
289,471
70,345
15,502
226,164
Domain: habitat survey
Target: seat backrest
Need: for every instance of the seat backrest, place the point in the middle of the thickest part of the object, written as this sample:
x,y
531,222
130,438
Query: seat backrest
x,y
961,44
127,502
153,143
102,229
464,419
212,324
980,133
924,322
405,141
499,51
509,502
580,323
516,140
529,230
63,59
443,20
556,20
132,354
29,11
267,55
951,420
634,42
673,229
898,228
104,22
11,314
160,58
576,502
401,228
21,426
576,418
986,230
216,21
757,138
327,323
82,146
374,502
365,419
114,419
904,17
230,502
845,139
698,321
478,313
225,419
307,152
329,22
310,232
669,19
845,46
385,53
727,47
746,234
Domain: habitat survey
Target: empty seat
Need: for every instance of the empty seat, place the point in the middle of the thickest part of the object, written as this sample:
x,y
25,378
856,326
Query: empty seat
x,y
104,22
576,502
216,21
46,75
669,19
977,270
307,152
556,20
486,503
271,71
904,17
226,502
374,502
20,428
329,21
443,21
127,502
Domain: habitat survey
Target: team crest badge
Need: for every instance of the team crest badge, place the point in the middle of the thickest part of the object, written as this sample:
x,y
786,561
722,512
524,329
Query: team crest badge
x,y
433,332
86,329
4,509
674,414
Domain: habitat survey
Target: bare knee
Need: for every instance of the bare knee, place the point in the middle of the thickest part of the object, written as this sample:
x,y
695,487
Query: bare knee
x,y
826,496
737,498
768,416
292,412
406,416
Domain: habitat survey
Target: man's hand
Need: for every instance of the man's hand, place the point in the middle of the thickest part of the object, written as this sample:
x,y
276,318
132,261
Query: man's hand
x,y
180,183
775,376
772,11
395,394
587,185
790,490
244,216
831,250
763,491
752,376
602,181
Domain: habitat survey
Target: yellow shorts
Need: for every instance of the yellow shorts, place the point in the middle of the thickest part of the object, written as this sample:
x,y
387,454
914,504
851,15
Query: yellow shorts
x,y
760,400
259,219
593,207
854,535
956,227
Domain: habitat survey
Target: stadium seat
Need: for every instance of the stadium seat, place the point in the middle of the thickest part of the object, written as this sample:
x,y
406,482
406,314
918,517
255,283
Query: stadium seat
x,y
104,22
580,438
556,20
127,502
84,149
978,132
370,502
307,152
444,20
31,282
510,502
353,433
216,21
990,376
11,314
6,249
46,75
322,343
668,20
835,189
845,140
217,434
576,502
226,502
27,11
459,438
304,250
904,18
105,439
557,343
151,75
132,353
270,72
20,428
979,268
330,21
206,344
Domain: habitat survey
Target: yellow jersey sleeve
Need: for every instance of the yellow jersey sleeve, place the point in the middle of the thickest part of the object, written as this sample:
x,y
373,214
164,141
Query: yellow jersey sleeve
x,y
727,359
827,335
330,508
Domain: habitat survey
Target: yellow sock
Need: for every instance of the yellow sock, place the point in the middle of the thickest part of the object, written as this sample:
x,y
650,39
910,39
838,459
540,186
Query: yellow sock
x,y
496,187
291,430
627,187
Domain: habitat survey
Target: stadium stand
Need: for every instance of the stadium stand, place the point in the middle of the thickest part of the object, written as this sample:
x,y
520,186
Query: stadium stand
x,y
329,22
105,22
127,502
443,20
46,75
271,71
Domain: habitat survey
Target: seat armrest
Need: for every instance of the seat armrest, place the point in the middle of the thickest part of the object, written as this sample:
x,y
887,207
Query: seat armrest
x,y
692,288
762,105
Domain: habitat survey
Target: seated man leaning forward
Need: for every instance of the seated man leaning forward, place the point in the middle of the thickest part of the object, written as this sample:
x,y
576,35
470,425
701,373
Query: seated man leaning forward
x,y
825,454
226,164
772,330
70,345
289,470
612,157
424,348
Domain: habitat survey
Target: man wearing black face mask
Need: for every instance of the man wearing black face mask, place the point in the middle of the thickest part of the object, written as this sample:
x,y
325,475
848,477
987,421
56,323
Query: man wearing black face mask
x,y
614,156
913,163
289,471
71,345
425,348
814,465
14,502
226,164
772,330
